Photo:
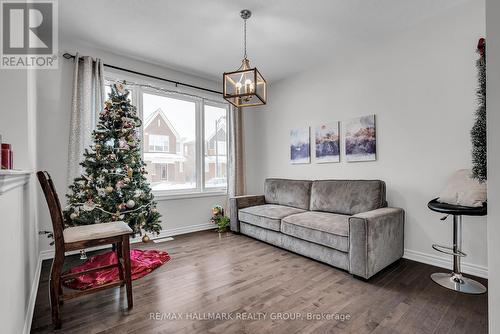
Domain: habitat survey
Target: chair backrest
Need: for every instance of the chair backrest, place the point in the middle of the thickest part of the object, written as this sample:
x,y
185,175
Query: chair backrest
x,y
54,207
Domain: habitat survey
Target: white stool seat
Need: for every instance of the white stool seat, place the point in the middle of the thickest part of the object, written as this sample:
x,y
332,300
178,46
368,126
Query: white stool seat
x,y
95,231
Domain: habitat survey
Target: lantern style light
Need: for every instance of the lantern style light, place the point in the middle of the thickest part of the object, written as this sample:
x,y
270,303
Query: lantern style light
x,y
245,87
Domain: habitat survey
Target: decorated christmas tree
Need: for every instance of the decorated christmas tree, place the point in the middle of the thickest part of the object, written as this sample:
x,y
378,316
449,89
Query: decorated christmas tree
x,y
113,185
478,132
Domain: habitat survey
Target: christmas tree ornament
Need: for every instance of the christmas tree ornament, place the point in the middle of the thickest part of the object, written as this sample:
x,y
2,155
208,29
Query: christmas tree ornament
x,y
130,172
73,216
120,184
109,189
145,238
88,206
83,255
130,204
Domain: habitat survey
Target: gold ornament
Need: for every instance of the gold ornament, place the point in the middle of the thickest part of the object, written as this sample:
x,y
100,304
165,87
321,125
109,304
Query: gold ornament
x,y
108,189
146,238
130,171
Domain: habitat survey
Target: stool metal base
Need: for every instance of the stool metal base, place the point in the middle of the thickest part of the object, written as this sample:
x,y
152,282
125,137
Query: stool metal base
x,y
458,283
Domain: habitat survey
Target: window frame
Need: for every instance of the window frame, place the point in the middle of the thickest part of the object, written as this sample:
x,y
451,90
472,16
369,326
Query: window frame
x,y
136,94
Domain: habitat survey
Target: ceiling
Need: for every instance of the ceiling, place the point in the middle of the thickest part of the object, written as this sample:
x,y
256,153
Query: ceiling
x,y
205,37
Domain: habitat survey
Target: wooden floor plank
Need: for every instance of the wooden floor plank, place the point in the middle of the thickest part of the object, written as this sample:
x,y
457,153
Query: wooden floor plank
x,y
234,274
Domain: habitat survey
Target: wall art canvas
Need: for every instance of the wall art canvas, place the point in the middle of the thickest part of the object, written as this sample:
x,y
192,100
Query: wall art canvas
x,y
327,143
300,146
360,140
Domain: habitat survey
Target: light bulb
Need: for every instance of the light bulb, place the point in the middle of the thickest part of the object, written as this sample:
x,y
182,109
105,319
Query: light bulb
x,y
248,82
238,87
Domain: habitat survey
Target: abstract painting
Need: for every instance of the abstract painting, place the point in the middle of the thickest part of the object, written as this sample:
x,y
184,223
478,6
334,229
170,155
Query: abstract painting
x,y
299,146
360,140
327,143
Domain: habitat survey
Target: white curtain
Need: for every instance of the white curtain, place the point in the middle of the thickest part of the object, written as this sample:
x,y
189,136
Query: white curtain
x,y
88,99
236,179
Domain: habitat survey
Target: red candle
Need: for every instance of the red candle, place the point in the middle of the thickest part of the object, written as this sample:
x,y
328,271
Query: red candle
x,y
6,156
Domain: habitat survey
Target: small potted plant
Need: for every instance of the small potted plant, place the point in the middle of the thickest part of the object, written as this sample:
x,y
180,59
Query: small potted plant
x,y
219,219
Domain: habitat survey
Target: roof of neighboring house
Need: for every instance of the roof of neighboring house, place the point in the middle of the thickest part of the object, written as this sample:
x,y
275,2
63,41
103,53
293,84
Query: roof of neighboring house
x,y
222,126
160,112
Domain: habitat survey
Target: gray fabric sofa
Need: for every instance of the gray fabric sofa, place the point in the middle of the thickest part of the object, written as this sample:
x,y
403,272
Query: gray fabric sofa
x,y
344,223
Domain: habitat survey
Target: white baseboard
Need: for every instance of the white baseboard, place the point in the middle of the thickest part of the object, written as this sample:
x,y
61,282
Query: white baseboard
x,y
33,293
49,253
467,268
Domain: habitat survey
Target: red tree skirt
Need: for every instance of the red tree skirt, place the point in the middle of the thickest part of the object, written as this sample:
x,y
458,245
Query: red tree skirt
x,y
142,263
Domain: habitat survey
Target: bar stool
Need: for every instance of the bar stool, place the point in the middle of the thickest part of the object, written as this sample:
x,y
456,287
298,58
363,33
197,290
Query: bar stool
x,y
455,280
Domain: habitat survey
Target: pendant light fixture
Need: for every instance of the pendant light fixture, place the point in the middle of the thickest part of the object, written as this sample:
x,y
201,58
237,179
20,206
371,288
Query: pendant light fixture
x,y
245,87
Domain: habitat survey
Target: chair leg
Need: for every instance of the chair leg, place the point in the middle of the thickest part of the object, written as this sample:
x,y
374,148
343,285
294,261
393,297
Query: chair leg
x,y
55,288
119,255
61,302
128,274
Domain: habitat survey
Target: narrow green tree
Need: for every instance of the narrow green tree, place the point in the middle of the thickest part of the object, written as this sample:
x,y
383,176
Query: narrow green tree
x,y
113,185
478,132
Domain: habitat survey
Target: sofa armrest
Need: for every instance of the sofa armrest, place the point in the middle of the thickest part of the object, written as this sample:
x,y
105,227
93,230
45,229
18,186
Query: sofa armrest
x,y
240,202
375,240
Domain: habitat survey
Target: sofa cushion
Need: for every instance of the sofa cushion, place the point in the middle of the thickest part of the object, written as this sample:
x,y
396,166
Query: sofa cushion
x,y
347,197
267,216
324,228
294,193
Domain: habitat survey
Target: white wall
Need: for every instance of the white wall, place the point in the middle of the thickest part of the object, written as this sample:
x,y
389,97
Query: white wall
x,y
493,108
54,103
421,88
19,247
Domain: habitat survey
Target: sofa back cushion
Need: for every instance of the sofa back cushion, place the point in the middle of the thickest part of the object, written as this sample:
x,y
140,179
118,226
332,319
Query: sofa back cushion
x,y
347,197
295,193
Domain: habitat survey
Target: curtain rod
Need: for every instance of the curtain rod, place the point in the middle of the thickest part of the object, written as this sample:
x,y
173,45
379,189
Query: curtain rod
x,y
177,83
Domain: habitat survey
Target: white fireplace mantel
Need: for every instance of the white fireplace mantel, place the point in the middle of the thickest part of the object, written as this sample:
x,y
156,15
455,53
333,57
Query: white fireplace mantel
x,y
11,179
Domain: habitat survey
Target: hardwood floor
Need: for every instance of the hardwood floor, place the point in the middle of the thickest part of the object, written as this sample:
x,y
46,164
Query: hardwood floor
x,y
236,275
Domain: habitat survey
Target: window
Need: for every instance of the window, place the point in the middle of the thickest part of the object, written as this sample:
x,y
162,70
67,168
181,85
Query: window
x,y
184,141
215,117
169,123
157,143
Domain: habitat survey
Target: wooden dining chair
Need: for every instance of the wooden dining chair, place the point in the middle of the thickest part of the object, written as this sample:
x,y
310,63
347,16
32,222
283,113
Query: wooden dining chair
x,y
80,237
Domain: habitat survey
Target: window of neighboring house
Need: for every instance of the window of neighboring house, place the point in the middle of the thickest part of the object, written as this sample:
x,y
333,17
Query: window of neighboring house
x,y
164,172
186,123
158,143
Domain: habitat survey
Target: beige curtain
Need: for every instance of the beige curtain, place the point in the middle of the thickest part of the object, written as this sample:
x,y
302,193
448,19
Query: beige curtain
x,y
236,180
87,101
